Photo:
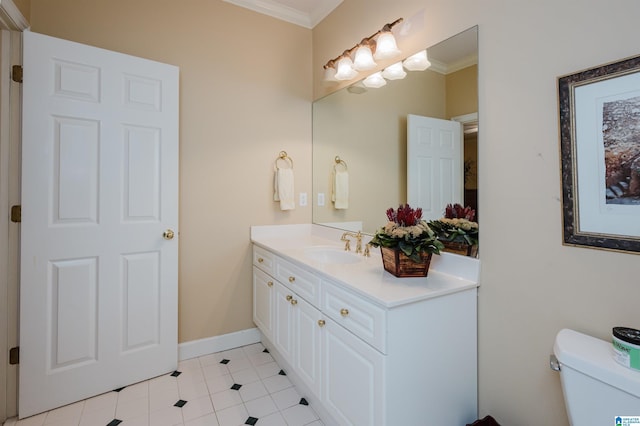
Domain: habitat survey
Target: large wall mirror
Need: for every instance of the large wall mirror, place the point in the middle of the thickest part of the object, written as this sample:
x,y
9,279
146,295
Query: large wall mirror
x,y
366,128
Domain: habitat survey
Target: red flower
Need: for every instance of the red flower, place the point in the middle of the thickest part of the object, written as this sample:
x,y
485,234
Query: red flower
x,y
456,211
405,216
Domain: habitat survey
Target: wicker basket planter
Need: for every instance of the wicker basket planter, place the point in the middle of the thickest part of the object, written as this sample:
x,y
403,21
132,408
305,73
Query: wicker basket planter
x,y
461,248
400,265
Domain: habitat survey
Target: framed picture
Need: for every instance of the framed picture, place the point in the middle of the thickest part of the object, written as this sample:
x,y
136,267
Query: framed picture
x,y
600,150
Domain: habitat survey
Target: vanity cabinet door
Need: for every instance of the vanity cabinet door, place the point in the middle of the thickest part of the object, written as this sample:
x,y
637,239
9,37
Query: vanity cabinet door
x,y
353,383
308,326
263,301
284,322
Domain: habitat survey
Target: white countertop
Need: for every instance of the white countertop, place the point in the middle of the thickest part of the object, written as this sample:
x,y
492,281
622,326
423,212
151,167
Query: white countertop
x,y
448,273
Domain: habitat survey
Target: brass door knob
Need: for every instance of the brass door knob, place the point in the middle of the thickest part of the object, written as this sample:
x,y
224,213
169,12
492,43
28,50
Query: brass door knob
x,y
321,323
344,312
168,234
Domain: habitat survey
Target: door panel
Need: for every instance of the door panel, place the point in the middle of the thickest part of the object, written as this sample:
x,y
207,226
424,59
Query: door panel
x,y
98,304
434,164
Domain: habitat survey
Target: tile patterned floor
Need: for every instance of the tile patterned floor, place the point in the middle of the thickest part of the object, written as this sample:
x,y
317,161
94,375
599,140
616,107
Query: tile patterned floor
x,y
242,386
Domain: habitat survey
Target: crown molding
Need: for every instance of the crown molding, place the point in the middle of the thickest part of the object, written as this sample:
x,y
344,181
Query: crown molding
x,y
275,9
11,18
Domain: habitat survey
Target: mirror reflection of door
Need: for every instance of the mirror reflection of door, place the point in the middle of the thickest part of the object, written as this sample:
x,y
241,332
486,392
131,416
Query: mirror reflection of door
x,y
434,164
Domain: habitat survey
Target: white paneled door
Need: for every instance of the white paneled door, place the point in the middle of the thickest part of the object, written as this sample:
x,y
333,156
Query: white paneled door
x,y
99,272
434,164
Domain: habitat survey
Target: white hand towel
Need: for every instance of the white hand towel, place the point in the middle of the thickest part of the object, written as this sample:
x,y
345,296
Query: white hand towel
x,y
340,194
283,189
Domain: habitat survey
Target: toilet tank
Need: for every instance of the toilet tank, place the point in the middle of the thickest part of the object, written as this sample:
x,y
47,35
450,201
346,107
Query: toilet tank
x,y
596,388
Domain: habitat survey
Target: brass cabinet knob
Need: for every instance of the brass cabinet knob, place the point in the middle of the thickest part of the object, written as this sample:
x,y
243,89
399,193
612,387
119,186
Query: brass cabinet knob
x,y
270,283
344,312
168,234
292,279
321,323
260,260
294,302
289,297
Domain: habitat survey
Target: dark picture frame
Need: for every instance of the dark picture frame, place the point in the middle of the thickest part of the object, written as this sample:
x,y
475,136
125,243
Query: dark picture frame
x,y
600,156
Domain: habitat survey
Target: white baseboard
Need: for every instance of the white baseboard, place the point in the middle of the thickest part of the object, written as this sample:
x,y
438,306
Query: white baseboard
x,y
196,348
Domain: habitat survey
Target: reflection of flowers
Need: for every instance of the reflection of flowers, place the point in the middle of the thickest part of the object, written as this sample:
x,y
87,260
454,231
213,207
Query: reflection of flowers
x,y
457,225
407,231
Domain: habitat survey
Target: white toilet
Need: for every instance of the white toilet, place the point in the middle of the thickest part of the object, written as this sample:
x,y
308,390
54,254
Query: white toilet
x,y
596,388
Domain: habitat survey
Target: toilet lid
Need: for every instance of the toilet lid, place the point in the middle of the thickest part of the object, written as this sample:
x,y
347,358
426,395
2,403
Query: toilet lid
x,y
594,357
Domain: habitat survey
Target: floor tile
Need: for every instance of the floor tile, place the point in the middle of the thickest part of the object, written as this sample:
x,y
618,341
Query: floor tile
x,y
277,383
225,399
299,415
267,370
248,375
252,391
232,416
197,408
246,389
286,398
208,420
274,419
261,407
168,416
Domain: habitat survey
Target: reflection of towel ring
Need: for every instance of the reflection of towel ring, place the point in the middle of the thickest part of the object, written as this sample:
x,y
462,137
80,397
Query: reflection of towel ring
x,y
284,157
339,162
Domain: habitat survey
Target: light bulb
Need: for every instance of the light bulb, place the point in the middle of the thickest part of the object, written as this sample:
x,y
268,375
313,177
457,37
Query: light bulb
x,y
374,80
394,72
417,62
345,69
363,59
386,46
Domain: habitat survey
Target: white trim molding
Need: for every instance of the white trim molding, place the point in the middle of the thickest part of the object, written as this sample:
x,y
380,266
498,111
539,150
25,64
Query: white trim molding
x,y
196,348
307,16
11,18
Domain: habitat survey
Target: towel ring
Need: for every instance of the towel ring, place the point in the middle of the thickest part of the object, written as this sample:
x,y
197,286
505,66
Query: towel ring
x,y
284,157
339,161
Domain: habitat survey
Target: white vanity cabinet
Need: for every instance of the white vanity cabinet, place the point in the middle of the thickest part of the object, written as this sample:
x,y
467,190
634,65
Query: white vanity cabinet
x,y
362,354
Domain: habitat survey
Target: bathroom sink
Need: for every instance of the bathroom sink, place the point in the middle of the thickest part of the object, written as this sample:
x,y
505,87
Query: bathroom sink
x,y
330,254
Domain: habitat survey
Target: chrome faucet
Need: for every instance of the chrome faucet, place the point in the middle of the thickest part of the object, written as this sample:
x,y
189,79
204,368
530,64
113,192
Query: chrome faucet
x,y
347,245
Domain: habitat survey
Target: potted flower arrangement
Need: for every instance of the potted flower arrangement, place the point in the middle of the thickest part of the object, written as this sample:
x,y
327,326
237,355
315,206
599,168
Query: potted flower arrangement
x,y
457,230
406,242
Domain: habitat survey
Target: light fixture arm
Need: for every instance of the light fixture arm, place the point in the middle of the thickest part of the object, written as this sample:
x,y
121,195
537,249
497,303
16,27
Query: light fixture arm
x,y
369,41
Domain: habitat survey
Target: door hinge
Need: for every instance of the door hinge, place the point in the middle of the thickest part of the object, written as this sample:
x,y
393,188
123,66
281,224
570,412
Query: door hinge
x,y
14,355
16,73
16,214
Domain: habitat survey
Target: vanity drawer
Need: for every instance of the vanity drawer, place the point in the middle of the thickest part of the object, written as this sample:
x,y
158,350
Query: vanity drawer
x,y
264,260
362,318
304,283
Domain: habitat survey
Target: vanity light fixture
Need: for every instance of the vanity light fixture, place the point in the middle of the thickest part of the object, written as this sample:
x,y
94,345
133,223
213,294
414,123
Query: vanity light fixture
x,y
374,81
394,72
345,70
417,62
381,45
363,59
387,47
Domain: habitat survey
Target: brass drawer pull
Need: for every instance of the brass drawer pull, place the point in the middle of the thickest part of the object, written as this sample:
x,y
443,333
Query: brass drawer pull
x,y
344,312
294,302
292,279
289,297
270,283
321,323
260,260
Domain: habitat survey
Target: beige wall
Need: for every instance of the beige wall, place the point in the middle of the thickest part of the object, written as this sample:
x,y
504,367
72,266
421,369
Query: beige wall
x,y
245,92
531,285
